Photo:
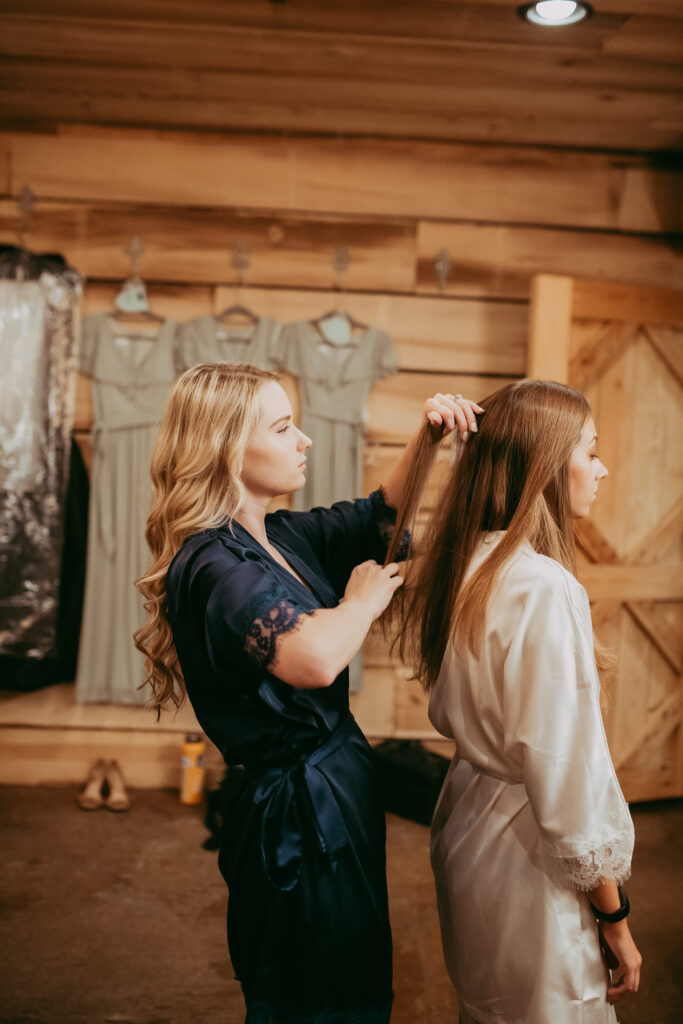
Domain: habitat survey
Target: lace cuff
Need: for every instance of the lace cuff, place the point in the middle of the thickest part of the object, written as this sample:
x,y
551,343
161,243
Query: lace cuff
x,y
268,614
384,517
582,861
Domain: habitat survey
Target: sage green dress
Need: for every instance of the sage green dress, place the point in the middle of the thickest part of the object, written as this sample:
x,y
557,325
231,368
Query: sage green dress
x,y
334,384
132,372
208,340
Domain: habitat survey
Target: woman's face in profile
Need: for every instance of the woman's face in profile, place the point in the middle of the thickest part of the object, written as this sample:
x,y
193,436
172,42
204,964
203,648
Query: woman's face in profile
x,y
585,471
274,461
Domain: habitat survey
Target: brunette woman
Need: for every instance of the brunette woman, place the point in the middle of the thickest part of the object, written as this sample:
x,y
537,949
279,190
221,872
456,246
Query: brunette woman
x,y
257,616
531,837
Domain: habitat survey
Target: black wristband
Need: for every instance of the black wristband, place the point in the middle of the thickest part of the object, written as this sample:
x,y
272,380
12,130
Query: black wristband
x,y
618,915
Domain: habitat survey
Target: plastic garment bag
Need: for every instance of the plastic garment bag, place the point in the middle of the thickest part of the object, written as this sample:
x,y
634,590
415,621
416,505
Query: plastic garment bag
x,y
39,311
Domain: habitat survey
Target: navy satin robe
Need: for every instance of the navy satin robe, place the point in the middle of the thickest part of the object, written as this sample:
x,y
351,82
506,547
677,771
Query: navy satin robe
x,y
303,851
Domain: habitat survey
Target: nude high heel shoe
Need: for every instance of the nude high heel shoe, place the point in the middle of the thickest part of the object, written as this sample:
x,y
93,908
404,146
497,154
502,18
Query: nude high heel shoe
x,y
90,798
116,799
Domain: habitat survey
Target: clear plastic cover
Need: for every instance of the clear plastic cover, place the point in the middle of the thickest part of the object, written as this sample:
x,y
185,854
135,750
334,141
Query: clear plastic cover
x,y
39,331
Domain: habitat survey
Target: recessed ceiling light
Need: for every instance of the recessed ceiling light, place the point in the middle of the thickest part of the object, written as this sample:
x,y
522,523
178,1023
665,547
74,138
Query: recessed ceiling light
x,y
555,12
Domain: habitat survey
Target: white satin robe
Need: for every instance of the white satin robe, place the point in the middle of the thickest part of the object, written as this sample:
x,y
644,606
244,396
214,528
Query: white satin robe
x,y
531,812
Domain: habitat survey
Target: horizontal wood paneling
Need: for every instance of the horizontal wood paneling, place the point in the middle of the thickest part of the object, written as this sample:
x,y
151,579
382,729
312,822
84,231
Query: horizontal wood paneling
x,y
631,304
383,92
500,260
448,61
352,15
356,177
190,244
433,70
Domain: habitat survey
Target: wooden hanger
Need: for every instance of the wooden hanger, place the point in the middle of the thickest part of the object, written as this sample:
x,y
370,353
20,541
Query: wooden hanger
x,y
356,325
340,262
237,311
240,261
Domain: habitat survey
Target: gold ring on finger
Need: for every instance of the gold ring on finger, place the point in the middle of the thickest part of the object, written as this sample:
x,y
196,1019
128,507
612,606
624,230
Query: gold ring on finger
x,y
458,398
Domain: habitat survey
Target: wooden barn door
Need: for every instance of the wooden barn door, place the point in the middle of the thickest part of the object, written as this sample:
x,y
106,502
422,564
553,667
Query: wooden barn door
x,y
623,347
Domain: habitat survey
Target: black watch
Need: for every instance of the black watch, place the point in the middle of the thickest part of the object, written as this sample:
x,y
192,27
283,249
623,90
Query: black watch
x,y
618,915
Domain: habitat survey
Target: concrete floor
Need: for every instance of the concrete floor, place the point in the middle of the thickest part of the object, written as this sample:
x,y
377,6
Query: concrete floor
x,y
119,919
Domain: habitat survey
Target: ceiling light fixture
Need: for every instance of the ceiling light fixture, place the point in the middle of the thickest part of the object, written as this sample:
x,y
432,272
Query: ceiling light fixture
x,y
555,12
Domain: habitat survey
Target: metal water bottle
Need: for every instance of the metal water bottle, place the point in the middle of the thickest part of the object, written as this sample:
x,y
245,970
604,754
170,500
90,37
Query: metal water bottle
x,y
192,781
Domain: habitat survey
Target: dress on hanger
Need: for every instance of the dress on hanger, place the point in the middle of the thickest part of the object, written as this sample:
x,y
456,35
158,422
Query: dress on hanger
x,y
531,815
208,340
304,833
132,372
334,384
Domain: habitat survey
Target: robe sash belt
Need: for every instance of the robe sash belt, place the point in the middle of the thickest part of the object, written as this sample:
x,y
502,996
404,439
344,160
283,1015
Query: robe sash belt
x,y
292,795
491,774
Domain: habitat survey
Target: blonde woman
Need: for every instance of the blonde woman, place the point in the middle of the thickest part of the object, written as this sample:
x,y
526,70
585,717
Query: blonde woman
x,y
256,617
531,836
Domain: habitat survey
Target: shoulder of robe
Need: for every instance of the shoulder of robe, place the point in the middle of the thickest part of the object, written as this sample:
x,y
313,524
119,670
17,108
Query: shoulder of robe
x,y
287,525
537,579
213,554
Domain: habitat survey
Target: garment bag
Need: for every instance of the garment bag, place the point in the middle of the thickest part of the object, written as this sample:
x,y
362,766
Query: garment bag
x,y
39,310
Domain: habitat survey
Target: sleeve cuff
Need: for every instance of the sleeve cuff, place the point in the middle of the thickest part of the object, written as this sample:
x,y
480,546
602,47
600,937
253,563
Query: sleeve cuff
x,y
384,517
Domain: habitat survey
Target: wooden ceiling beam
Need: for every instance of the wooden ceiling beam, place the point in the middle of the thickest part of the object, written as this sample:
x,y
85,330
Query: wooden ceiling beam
x,y
377,16
440,181
473,107
212,47
473,30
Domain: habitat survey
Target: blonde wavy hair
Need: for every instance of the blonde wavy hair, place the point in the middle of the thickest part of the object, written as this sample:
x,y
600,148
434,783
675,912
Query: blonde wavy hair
x,y
512,475
196,471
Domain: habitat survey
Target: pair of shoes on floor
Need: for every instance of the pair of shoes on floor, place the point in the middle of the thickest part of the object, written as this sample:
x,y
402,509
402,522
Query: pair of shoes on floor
x,y
104,788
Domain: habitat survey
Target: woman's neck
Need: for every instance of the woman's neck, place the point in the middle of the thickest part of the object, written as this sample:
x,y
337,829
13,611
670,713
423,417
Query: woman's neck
x,y
252,516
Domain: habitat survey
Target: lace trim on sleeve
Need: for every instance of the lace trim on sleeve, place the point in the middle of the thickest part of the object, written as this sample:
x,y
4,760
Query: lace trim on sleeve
x,y
384,517
582,861
260,641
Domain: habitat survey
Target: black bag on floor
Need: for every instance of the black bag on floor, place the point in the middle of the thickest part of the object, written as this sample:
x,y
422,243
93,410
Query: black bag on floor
x,y
411,778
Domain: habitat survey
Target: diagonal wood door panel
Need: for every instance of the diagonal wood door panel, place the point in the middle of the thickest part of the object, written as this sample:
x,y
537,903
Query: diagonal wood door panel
x,y
631,547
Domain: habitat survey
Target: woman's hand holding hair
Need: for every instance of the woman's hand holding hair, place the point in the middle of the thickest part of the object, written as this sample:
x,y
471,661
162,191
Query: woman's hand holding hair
x,y
443,414
373,585
313,655
446,412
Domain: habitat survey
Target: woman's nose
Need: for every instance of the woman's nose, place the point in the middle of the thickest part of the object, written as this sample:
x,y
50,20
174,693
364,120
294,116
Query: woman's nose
x,y
603,472
304,440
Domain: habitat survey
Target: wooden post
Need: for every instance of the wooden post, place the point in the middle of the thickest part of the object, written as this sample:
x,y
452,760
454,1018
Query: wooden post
x,y
550,327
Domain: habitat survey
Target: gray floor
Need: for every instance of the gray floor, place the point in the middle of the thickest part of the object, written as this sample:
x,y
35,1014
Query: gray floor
x,y
111,918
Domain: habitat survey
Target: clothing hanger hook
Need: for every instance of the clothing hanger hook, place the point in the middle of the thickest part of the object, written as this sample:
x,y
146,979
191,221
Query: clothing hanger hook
x,y
443,266
340,264
240,260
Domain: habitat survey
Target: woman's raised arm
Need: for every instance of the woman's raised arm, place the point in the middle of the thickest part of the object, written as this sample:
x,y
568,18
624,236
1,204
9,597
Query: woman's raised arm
x,y
443,413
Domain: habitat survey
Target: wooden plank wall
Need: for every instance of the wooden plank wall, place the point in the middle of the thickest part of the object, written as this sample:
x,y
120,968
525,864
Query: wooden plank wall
x,y
503,213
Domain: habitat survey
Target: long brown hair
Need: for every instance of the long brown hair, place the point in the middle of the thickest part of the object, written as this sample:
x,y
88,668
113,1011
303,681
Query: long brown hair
x,y
511,475
196,471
